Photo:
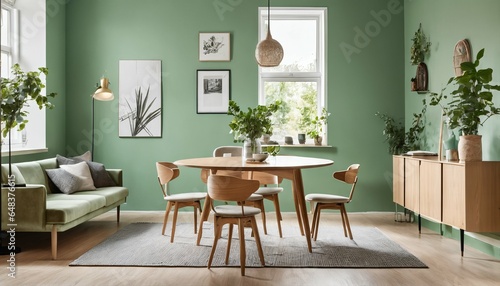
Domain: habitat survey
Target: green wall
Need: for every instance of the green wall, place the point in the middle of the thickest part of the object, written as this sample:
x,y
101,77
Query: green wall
x,y
446,22
101,33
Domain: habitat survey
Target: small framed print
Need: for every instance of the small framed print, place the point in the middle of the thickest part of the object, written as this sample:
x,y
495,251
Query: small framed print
x,y
214,47
213,91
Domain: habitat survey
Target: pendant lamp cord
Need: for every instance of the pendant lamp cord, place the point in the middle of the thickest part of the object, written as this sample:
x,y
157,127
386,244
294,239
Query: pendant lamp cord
x,y
269,16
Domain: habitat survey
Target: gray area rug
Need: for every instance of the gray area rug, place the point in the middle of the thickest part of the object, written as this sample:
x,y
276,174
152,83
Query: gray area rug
x,y
141,244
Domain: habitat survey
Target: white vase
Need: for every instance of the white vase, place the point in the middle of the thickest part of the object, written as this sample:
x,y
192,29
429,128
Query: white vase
x,y
470,148
250,147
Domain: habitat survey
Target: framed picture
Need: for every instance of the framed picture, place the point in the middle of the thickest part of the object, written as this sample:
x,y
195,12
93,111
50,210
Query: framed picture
x,y
214,47
140,98
213,91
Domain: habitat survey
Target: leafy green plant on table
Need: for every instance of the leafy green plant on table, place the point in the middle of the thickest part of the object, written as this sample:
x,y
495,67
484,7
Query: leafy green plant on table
x,y
472,101
253,123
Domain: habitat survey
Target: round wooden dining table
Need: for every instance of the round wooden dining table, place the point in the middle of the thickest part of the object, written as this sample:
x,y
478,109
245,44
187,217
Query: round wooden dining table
x,y
287,167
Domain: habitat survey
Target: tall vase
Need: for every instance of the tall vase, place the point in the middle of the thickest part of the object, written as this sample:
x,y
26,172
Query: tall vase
x,y
250,147
470,148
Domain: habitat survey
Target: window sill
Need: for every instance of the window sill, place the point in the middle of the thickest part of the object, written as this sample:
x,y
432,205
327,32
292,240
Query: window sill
x,y
300,146
24,151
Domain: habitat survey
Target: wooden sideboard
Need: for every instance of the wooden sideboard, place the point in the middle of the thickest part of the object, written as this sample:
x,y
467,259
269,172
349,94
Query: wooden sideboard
x,y
462,195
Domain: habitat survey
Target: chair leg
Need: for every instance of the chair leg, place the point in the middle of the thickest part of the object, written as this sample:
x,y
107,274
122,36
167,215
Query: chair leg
x,y
167,211
174,222
313,223
195,209
342,215
347,221
229,239
318,209
278,212
257,241
241,234
217,235
263,214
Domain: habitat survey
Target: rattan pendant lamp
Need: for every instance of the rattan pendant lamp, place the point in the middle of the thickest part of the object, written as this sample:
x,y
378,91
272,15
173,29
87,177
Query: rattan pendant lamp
x,y
269,52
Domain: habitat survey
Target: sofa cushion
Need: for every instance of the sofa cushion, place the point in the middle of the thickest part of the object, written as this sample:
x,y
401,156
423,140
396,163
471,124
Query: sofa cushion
x,y
81,170
65,181
111,194
96,201
32,173
64,211
18,177
97,170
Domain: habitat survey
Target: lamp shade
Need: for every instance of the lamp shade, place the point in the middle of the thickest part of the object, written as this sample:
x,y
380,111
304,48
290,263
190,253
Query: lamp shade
x,y
269,52
103,93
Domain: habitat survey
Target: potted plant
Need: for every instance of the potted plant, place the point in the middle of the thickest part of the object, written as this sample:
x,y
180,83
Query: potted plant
x,y
400,141
315,130
420,47
470,106
248,126
17,93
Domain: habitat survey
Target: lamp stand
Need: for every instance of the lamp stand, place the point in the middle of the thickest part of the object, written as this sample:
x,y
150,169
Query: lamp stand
x,y
93,131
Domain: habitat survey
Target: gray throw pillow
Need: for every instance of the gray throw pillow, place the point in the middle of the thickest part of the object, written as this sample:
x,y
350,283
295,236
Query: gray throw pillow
x,y
97,170
65,181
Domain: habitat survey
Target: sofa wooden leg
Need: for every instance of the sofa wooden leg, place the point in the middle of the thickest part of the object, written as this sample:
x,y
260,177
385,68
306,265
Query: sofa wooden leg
x,y
53,238
118,214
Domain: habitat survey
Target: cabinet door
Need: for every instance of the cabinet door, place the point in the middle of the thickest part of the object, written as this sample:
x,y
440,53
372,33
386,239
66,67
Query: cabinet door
x,y
454,195
412,175
430,190
398,180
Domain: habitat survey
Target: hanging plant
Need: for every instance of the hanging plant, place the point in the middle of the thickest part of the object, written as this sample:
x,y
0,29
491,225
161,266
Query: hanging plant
x,y
420,47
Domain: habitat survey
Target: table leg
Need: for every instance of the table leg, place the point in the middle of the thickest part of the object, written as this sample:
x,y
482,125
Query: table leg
x,y
297,210
204,217
298,188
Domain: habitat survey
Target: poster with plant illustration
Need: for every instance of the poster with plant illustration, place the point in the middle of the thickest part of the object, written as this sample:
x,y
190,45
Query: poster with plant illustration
x,y
140,98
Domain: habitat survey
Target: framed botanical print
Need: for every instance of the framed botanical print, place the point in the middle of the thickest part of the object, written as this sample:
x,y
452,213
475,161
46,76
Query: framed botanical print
x,y
214,47
213,91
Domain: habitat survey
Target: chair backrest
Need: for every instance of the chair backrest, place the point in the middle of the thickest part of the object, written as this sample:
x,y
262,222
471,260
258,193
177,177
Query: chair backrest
x,y
265,178
228,188
166,172
349,176
235,151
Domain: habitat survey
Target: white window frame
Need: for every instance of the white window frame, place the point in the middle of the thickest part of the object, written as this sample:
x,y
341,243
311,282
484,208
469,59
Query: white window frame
x,y
30,52
319,14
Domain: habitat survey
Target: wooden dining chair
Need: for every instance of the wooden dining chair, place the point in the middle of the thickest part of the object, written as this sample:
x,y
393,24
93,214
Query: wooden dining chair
x,y
331,201
269,189
167,172
255,200
229,188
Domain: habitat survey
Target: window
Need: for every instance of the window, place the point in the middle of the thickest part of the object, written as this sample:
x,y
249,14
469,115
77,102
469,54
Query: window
x,y
299,81
30,55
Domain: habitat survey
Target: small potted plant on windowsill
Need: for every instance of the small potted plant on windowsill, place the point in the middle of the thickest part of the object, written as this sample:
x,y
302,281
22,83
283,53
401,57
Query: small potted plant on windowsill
x,y
470,106
315,130
249,126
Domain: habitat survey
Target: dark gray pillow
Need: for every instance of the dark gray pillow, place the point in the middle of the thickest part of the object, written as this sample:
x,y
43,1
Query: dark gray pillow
x,y
97,170
65,181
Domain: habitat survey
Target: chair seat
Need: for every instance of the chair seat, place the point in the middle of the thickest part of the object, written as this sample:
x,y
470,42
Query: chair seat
x,y
186,197
255,197
326,198
269,190
235,211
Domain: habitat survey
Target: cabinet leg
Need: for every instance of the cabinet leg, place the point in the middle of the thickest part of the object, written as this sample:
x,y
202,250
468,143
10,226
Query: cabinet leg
x,y
462,241
419,224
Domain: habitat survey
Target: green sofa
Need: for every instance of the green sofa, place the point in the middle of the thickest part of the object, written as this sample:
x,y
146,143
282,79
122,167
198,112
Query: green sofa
x,y
41,207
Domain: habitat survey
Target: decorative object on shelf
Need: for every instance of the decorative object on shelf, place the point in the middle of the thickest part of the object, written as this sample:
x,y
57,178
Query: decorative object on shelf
x,y
18,91
400,141
315,128
249,126
102,93
420,47
213,91
461,54
269,52
302,138
288,140
140,98
420,81
470,106
214,47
